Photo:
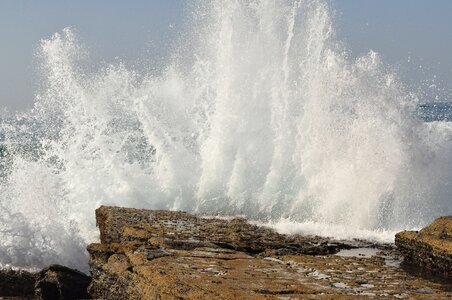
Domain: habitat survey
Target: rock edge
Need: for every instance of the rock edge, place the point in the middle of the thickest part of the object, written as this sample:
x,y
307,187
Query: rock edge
x,y
429,248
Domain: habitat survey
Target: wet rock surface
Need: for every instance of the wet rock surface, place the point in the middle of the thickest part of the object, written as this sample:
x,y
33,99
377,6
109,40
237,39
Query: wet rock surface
x,y
173,255
429,248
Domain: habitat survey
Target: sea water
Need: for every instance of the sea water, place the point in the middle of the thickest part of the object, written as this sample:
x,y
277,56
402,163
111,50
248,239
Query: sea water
x,y
260,111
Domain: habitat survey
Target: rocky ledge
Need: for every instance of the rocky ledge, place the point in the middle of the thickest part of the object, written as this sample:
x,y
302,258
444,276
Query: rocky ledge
x,y
147,254
429,248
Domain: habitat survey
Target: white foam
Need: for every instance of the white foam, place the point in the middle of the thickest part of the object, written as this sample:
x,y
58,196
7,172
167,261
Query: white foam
x,y
335,231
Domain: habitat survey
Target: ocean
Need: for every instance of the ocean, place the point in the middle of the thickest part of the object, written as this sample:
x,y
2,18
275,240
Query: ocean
x,y
259,112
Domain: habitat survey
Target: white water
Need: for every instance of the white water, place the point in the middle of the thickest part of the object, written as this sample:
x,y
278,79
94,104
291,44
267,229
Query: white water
x,y
260,112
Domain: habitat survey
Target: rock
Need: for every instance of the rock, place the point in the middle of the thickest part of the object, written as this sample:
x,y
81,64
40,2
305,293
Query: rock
x,y
132,238
59,282
147,254
182,231
430,248
17,284
53,282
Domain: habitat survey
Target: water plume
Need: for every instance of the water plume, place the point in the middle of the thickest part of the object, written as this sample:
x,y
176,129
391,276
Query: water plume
x,y
260,112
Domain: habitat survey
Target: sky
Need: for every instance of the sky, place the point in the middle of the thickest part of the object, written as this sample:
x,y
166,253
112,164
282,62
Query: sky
x,y
413,36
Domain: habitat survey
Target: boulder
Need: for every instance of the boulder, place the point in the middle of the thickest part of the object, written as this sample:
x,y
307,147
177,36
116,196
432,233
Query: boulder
x,y
429,248
15,283
59,282
53,282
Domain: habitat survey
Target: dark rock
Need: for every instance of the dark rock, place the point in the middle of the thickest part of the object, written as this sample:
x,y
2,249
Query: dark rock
x,y
59,282
17,284
430,248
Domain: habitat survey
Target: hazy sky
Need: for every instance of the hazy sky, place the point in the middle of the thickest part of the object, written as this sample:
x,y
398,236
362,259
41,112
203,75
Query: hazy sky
x,y
413,35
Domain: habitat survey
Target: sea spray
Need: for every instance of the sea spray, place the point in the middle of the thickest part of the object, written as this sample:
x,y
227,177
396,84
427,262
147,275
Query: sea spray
x,y
260,112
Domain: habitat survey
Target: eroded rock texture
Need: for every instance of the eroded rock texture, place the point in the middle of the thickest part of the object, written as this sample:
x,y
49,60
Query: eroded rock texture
x,y
429,248
173,255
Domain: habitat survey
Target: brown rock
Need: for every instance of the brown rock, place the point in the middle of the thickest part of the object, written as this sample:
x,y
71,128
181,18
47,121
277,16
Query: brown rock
x,y
173,255
182,231
430,248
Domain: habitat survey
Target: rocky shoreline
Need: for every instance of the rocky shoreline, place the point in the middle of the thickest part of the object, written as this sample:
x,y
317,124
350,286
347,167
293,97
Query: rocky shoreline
x,y
146,254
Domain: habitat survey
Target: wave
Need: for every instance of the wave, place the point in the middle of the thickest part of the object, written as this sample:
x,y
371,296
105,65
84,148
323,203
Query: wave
x,y
259,112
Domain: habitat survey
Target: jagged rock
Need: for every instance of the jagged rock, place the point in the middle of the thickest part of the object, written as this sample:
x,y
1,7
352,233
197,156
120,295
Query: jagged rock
x,y
147,254
429,248
182,231
18,284
59,282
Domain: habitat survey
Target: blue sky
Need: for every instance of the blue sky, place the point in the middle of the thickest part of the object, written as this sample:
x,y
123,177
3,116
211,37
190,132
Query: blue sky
x,y
413,35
